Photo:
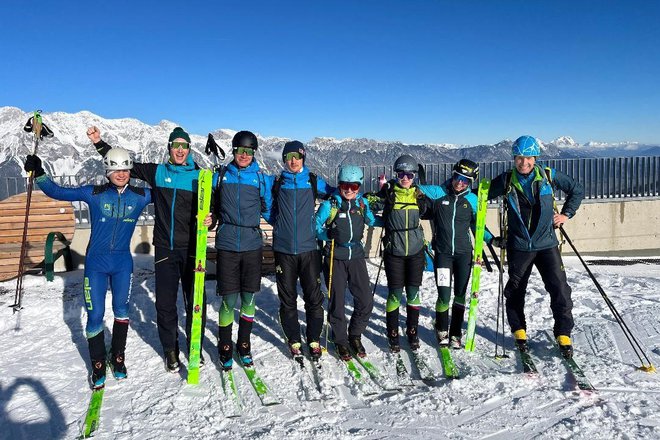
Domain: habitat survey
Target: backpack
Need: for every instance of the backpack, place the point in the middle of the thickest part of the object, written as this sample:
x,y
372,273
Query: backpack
x,y
280,180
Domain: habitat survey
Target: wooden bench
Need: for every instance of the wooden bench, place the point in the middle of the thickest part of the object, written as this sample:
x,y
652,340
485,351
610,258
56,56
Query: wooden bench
x,y
50,230
268,265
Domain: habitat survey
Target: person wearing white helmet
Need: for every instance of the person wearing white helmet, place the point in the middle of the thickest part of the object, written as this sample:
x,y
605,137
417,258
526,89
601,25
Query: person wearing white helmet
x,y
340,222
528,192
114,210
174,191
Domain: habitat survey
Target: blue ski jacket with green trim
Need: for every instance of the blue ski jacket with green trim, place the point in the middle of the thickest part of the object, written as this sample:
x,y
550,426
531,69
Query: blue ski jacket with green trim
x,y
530,222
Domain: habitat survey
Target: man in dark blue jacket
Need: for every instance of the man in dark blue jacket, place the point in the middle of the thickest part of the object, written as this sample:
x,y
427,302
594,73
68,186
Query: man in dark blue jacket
x,y
297,255
528,192
242,196
174,189
114,209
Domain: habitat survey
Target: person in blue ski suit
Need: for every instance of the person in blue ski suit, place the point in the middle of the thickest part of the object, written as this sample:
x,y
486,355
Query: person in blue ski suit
x,y
114,209
174,191
297,254
340,222
530,238
241,197
452,211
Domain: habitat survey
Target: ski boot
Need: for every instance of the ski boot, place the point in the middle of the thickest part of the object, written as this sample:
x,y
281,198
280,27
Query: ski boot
x,y
455,342
343,352
442,336
520,337
172,363
118,366
245,354
315,351
296,349
225,355
393,341
413,338
98,374
356,344
565,346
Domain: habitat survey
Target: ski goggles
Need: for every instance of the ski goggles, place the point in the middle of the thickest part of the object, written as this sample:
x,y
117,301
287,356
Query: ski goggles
x,y
176,145
462,179
293,155
405,174
349,186
244,150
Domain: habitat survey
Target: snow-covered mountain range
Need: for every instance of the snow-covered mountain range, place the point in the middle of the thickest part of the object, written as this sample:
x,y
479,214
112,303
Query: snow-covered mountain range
x,y
71,153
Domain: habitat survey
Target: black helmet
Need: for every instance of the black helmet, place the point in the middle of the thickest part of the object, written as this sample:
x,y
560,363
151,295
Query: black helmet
x,y
467,168
406,163
244,139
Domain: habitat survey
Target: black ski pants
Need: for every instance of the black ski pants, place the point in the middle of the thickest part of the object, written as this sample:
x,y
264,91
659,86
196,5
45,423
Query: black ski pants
x,y
451,272
548,263
307,268
354,274
172,267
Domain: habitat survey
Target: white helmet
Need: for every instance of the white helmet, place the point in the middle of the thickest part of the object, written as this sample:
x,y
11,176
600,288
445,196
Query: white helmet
x,y
117,159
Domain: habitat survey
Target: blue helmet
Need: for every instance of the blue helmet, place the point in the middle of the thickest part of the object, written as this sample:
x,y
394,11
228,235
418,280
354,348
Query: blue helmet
x,y
526,146
351,173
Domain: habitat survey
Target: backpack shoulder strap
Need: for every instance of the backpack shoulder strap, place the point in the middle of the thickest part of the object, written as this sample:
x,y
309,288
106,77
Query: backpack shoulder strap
x,y
276,186
313,182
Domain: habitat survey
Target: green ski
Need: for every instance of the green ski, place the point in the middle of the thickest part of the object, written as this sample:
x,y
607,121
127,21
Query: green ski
x,y
451,372
204,188
93,413
376,375
230,391
360,380
263,392
480,228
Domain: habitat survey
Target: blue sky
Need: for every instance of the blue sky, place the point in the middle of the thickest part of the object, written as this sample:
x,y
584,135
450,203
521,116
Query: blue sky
x,y
416,71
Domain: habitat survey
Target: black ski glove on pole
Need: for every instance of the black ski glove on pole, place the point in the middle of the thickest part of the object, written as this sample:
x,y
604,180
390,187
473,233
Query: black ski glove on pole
x,y
33,164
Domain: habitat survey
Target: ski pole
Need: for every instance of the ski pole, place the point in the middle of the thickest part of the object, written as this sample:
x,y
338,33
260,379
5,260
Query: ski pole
x,y
500,293
34,124
380,266
327,323
619,319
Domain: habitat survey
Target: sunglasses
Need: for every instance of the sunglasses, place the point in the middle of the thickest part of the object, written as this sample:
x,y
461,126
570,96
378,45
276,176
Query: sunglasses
x,y
461,178
403,174
293,155
176,145
244,150
349,186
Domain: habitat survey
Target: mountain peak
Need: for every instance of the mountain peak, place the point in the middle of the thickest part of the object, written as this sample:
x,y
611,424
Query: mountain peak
x,y
565,141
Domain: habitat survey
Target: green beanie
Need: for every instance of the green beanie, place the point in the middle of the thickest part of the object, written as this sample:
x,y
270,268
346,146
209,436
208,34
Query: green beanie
x,y
179,132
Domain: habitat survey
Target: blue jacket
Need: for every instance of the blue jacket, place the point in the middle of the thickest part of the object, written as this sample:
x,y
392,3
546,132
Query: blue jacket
x,y
346,227
113,215
241,198
452,217
292,215
530,222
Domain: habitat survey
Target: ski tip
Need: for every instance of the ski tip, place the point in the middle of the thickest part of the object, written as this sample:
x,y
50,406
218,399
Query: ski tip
x,y
647,368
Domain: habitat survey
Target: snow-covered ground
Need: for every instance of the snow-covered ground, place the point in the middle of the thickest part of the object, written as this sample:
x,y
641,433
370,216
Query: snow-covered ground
x,y
44,388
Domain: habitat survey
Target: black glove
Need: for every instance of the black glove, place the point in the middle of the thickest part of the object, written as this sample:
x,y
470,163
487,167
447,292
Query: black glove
x,y
33,164
499,242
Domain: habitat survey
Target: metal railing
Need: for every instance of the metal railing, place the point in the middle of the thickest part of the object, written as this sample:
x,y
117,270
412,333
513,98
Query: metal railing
x,y
603,178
